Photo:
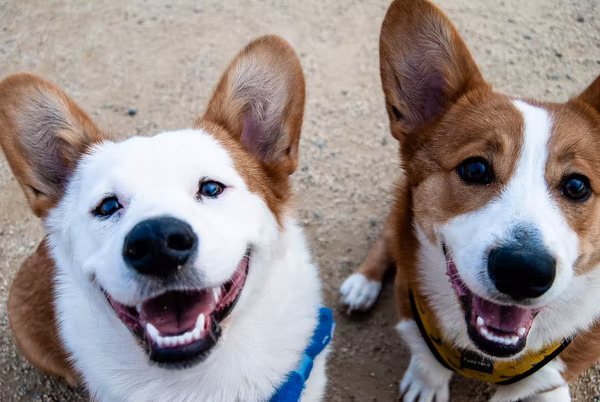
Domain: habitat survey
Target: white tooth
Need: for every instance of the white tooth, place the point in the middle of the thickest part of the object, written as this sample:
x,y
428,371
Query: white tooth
x,y
200,322
521,331
514,339
181,339
480,321
196,333
484,331
217,293
187,337
138,307
161,342
152,331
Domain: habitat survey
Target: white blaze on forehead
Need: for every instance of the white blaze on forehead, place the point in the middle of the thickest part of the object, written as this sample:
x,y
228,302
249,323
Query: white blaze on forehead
x,y
525,202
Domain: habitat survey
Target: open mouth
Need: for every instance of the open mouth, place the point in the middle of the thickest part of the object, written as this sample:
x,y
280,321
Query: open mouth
x,y
496,329
178,328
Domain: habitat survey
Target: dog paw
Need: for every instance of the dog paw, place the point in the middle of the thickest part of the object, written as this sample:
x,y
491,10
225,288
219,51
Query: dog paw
x,y
359,293
419,386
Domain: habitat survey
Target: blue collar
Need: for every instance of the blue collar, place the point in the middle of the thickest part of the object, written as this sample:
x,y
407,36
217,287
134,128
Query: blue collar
x,y
291,390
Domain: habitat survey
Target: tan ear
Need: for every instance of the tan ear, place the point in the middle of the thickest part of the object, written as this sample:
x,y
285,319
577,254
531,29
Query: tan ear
x,y
43,134
425,65
591,95
260,102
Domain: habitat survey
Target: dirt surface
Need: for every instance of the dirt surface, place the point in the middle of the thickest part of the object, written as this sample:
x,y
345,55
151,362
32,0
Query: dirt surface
x,y
162,60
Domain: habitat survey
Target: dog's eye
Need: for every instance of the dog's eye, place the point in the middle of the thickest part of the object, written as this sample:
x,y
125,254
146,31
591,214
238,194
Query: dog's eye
x,y
576,187
475,171
107,207
210,189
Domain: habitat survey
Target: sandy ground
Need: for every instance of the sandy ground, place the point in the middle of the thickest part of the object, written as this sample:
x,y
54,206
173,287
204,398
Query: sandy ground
x,y
163,59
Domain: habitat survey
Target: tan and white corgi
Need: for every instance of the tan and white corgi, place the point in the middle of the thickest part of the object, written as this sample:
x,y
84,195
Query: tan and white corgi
x,y
495,229
173,267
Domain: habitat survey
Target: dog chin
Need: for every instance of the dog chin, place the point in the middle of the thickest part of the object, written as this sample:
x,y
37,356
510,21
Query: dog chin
x,y
178,328
498,330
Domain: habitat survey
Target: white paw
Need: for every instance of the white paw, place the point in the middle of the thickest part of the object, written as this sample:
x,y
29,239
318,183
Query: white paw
x,y
359,293
420,386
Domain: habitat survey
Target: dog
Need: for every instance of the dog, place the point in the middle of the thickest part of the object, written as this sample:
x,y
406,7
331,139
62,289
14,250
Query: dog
x,y
173,267
495,227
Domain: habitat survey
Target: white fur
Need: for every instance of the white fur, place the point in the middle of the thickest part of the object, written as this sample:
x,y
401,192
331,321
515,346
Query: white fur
x,y
560,394
267,331
426,379
359,293
548,377
571,304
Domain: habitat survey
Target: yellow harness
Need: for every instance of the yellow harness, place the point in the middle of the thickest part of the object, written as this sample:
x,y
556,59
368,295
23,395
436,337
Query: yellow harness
x,y
473,365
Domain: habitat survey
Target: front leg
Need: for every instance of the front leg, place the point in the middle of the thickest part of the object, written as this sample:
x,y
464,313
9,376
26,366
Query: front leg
x,y
360,290
545,385
425,380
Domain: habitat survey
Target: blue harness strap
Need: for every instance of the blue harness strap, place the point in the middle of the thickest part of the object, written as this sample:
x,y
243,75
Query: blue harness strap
x,y
291,390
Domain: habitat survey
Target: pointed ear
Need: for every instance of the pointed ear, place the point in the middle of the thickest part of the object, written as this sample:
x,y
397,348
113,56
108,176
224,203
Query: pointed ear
x,y
425,65
591,95
260,102
43,134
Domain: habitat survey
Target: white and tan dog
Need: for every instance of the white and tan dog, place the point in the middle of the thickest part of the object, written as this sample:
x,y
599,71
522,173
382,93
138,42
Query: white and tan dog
x,y
173,268
495,230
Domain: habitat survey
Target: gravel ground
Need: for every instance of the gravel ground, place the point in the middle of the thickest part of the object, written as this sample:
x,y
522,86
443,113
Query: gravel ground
x,y
162,59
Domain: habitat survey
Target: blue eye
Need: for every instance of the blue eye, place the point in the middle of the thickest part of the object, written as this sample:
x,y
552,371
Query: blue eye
x,y
107,207
210,189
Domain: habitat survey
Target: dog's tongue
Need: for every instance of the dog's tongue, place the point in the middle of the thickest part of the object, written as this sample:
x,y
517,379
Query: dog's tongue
x,y
174,313
503,318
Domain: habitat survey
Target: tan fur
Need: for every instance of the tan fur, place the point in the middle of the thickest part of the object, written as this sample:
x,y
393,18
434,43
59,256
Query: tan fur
x,y
268,64
463,119
32,318
26,99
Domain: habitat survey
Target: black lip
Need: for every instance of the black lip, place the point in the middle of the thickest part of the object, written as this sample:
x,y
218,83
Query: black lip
x,y
185,356
181,357
485,345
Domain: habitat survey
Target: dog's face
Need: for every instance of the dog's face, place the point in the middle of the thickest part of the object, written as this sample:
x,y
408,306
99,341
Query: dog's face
x,y
503,191
165,228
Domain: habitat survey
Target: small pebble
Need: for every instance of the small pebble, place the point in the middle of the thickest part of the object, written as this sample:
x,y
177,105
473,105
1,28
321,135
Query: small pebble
x,y
527,37
580,18
132,112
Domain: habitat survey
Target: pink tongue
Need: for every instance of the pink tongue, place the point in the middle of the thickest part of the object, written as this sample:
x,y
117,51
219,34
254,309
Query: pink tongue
x,y
503,318
174,313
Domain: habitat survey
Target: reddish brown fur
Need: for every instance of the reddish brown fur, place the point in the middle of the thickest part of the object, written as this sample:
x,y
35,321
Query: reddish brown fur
x,y
262,59
32,317
463,119
34,324
23,99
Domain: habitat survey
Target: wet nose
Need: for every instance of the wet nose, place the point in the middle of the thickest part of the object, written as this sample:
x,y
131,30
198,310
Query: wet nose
x,y
521,271
159,246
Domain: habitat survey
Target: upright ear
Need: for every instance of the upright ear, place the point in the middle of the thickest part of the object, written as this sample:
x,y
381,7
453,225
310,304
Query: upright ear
x,y
43,134
260,102
591,95
425,65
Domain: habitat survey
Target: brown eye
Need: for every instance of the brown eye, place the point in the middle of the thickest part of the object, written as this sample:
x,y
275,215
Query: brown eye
x,y
475,171
211,189
107,207
576,187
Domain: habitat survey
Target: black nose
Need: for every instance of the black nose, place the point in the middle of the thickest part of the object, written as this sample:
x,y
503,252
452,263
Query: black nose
x,y
159,246
521,271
